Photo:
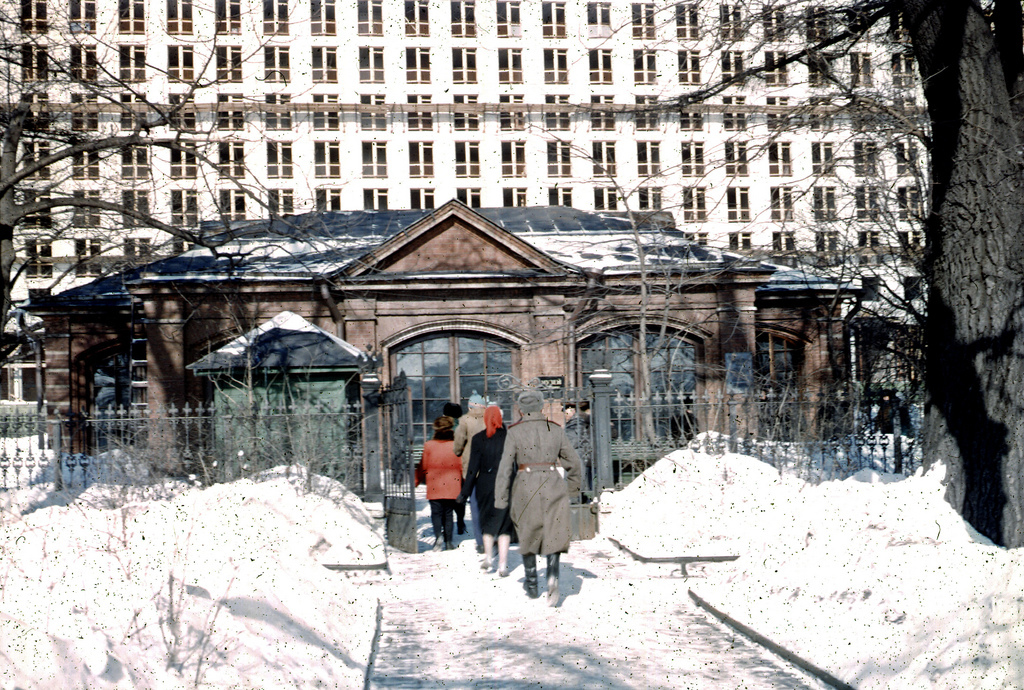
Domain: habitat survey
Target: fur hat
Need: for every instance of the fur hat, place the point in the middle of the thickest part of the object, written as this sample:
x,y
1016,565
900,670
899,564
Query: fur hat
x,y
453,410
531,401
477,400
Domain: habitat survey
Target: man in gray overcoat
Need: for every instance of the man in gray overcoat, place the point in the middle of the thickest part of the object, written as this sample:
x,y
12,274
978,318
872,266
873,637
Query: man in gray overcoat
x,y
534,449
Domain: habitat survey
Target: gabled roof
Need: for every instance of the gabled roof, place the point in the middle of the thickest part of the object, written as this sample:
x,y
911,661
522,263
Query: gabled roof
x,y
286,341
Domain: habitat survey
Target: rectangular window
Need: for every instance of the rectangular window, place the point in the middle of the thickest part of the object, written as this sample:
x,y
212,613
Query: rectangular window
x,y
276,65
38,257
732,64
131,16
783,241
87,251
694,205
555,119
559,159
134,163
816,24
779,159
35,151
277,109
183,112
869,239
179,17
734,120
465,119
275,17
328,199
371,65
325,65
180,63
420,120
231,159
553,19
417,18
35,63
826,241
509,22
421,159
691,121
464,65
693,159
84,66
560,196
556,66
645,67
649,198
775,24
824,203
421,199
730,23
867,203
822,158
600,66
902,70
322,15
909,202
279,160
230,115
132,61
85,113
736,158
373,118
86,165
775,73
687,22
603,154
510,66
33,16
469,196
819,70
231,204
777,114
648,158
647,116
865,158
184,164
643,21
82,16
602,119
375,159
375,199
513,159
689,67
860,69
281,202
513,197
184,208
467,159
906,158
782,203
463,18
599,19
137,202
326,115
370,18
229,16
229,63
511,119
132,110
740,241
605,199
326,159
417,65
737,201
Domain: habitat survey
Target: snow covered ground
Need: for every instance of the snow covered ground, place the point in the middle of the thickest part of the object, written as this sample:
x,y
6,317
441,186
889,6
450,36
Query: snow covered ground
x,y
874,578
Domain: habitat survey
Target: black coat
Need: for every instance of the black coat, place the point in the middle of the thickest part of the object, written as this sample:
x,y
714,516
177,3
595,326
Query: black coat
x,y
484,458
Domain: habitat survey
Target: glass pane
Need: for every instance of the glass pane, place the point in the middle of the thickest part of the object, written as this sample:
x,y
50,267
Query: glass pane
x,y
410,363
472,345
436,387
469,385
499,362
436,365
435,345
471,363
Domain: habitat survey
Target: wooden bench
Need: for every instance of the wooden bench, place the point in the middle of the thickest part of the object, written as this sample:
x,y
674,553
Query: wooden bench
x,y
681,561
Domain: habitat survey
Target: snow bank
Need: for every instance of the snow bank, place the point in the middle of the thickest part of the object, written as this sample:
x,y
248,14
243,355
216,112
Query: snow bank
x,y
215,587
875,578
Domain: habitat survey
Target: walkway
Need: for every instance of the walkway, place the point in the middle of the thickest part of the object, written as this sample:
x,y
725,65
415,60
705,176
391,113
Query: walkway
x,y
621,624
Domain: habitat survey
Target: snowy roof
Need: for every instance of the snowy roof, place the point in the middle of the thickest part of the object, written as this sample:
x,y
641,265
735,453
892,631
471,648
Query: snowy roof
x,y
286,341
789,280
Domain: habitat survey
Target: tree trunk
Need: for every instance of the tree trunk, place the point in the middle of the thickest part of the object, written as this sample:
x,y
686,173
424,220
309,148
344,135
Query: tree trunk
x,y
975,266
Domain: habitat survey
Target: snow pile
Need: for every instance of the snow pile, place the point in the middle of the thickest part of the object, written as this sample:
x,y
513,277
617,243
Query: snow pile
x,y
180,586
875,579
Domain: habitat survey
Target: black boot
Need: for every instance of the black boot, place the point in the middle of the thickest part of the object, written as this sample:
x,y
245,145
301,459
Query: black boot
x,y
530,582
552,573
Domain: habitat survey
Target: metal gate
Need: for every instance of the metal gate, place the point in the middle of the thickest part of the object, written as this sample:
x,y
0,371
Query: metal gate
x,y
398,469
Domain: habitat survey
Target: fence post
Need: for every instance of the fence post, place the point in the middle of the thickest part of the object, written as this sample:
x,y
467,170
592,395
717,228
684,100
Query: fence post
x,y
897,440
58,454
370,384
732,424
601,419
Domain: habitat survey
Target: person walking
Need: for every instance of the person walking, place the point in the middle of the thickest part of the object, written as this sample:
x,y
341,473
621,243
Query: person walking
x,y
577,428
454,410
484,458
471,424
539,502
443,471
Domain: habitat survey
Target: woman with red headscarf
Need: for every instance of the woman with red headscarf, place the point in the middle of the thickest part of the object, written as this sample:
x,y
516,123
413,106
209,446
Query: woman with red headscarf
x,y
484,457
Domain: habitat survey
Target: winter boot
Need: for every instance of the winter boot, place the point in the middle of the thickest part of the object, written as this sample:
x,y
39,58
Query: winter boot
x,y
438,544
530,582
552,573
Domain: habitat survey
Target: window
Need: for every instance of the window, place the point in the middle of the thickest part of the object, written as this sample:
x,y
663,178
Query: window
x,y
560,196
230,115
180,63
33,16
281,201
38,117
38,259
691,121
131,16
182,113
775,73
822,158
646,117
420,120
559,159
511,119
417,20
134,163
906,158
869,239
736,158
463,18
417,65
179,16
371,65
643,21
556,120
689,67
553,19
373,119
84,114
826,241
470,196
730,23
783,241
509,25
602,119
605,199
465,119
867,203
132,110
35,151
600,66
328,199
326,159
777,115
184,208
645,68
231,159
824,202
860,69
816,24
421,159
276,64
229,16
513,159
464,65
35,63
275,17
325,112
510,66
694,205
902,70
732,64
322,14
467,159
671,364
84,66
865,158
740,240
775,24
692,159
599,19
231,204
85,165
648,158
278,114
734,120
82,16
134,201
819,70
779,160
513,197
421,199
325,65
737,200
782,203
649,198
909,203
183,164
370,18
556,66
687,23
778,361
87,251
229,63
375,159
279,160
604,158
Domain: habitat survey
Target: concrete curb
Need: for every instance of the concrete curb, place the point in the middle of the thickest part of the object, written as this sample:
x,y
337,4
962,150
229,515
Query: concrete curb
x,y
758,638
374,646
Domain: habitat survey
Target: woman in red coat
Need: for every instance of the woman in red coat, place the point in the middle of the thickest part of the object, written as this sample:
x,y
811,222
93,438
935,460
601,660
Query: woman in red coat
x,y
443,470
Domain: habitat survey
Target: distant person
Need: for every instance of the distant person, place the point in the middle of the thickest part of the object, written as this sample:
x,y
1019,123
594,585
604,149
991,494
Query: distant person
x,y
454,410
442,469
469,426
577,428
484,459
539,495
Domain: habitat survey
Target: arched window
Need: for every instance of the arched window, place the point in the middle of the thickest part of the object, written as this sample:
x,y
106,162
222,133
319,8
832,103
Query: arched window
x,y
443,368
778,362
672,361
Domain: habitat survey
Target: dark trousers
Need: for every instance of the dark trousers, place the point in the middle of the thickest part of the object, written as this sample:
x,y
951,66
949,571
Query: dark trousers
x,y
442,512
